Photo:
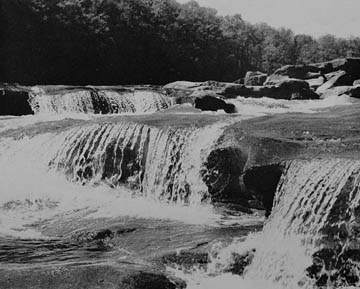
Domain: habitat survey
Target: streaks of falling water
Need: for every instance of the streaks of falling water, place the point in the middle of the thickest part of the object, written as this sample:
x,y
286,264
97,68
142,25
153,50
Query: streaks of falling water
x,y
316,207
99,101
163,164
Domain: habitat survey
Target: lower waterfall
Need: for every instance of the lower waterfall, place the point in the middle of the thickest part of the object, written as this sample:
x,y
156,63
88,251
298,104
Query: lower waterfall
x,y
311,239
107,169
160,163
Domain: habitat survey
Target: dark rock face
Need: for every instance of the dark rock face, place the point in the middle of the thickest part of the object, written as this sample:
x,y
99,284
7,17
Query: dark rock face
x,y
262,182
285,89
15,102
254,78
212,103
294,89
224,167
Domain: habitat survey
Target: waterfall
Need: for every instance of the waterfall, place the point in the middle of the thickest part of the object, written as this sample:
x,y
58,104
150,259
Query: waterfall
x,y
311,239
99,101
314,207
158,163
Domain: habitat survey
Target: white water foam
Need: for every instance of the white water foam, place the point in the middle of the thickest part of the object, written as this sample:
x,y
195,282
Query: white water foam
x,y
307,201
265,105
90,100
32,191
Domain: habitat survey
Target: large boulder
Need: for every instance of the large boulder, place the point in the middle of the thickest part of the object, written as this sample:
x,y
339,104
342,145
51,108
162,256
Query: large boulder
x,y
352,91
293,71
209,102
351,65
338,78
255,78
356,82
285,89
182,85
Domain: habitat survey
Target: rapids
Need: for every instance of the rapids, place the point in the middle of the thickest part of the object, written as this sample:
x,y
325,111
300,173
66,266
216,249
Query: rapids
x,y
98,172
315,208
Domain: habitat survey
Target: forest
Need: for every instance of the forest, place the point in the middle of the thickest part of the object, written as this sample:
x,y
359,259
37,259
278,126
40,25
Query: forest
x,y
145,42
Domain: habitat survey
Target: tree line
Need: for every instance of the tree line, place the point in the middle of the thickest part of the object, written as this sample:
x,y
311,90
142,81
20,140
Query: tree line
x,y
145,41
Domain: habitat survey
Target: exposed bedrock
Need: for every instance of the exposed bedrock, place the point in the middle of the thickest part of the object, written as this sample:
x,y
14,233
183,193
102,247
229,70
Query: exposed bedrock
x,y
285,89
322,77
250,156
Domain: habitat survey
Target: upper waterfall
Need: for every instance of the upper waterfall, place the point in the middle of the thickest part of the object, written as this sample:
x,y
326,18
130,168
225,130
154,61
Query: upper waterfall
x,y
101,100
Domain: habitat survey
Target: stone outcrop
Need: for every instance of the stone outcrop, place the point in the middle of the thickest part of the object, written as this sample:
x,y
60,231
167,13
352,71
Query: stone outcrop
x,y
351,65
285,89
338,78
315,83
321,77
255,78
212,103
293,71
256,149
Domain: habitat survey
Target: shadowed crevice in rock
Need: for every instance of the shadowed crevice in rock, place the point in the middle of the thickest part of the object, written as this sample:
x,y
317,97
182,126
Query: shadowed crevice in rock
x,y
262,182
230,181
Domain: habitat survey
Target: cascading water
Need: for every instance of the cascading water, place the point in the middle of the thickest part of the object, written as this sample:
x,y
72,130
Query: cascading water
x,y
163,164
102,163
103,101
310,240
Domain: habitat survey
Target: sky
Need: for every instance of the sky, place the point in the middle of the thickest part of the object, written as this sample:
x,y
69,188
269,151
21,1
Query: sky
x,y
313,17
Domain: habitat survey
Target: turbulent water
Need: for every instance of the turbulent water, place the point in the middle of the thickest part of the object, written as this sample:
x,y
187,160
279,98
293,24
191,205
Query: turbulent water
x,y
105,168
316,208
98,101
264,105
112,162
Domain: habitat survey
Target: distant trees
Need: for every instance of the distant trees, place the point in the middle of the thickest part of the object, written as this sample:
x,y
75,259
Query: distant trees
x,y
145,41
